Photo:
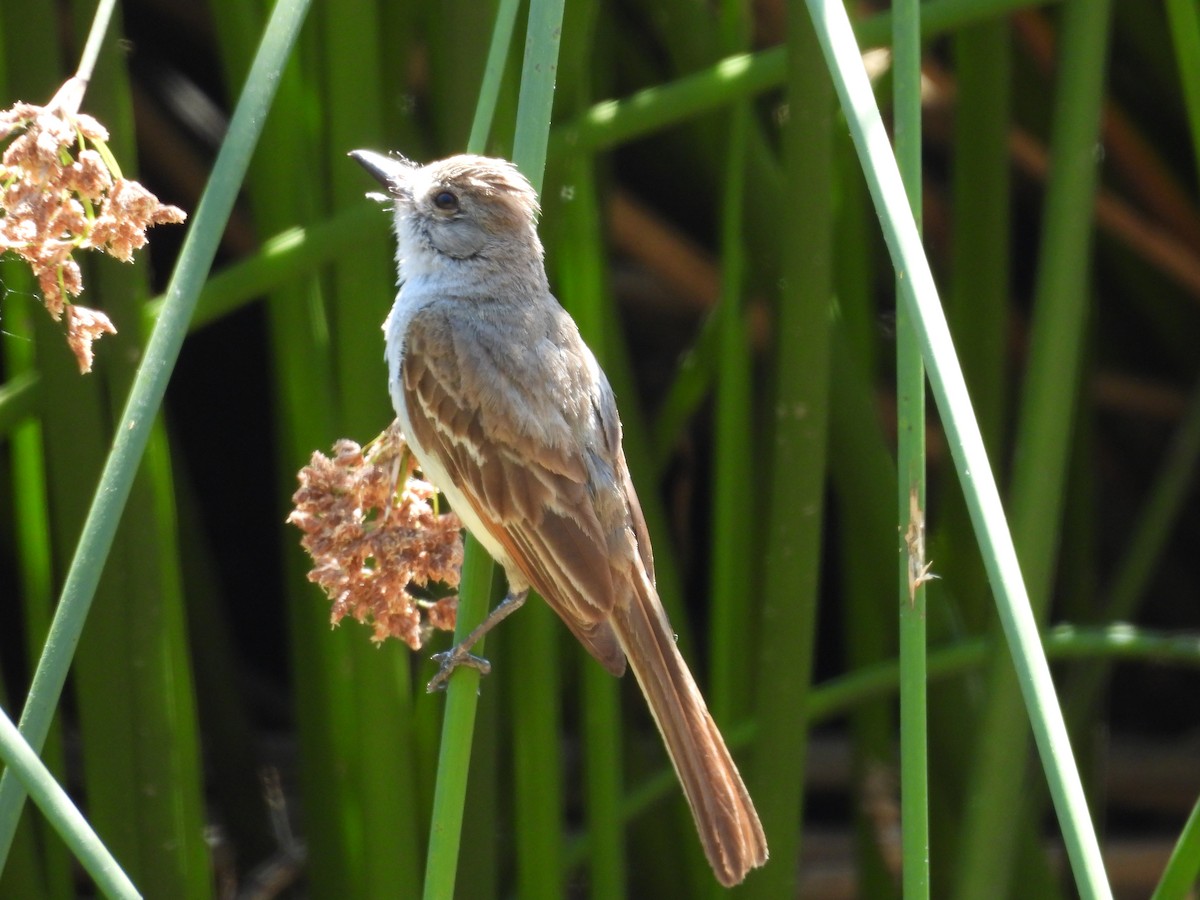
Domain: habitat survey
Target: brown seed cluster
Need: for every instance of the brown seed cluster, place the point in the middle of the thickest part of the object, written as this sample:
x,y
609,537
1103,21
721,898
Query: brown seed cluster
x,y
61,191
371,543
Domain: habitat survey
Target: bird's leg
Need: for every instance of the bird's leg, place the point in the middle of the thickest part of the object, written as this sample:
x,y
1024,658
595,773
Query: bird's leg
x,y
460,654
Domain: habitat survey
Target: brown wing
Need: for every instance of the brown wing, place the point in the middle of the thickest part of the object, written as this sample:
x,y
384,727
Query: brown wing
x,y
534,494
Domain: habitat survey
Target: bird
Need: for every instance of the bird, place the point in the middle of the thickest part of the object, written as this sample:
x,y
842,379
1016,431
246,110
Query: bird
x,y
511,417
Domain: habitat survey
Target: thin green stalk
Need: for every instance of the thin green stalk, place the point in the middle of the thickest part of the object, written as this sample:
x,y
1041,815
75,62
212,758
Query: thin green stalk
x,y
910,465
493,75
22,761
797,474
538,800
538,73
995,801
462,692
977,309
134,429
863,473
583,289
95,39
1183,868
732,537
458,729
965,441
537,94
573,227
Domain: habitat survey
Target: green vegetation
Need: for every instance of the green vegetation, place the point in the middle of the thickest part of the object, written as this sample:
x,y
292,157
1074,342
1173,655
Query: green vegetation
x,y
724,218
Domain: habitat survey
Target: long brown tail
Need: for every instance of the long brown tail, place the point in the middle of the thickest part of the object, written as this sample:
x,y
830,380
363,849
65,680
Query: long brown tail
x,y
728,825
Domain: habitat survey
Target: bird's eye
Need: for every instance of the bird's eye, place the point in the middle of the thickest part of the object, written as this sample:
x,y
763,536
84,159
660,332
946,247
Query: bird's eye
x,y
445,200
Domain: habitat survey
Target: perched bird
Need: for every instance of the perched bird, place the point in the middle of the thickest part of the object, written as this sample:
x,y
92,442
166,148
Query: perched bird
x,y
510,416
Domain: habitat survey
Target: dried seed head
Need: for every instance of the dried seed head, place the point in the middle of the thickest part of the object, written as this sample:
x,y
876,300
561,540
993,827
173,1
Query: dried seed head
x,y
371,544
58,194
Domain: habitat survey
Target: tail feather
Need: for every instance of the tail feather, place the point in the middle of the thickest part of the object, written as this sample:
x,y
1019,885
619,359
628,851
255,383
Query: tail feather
x,y
726,820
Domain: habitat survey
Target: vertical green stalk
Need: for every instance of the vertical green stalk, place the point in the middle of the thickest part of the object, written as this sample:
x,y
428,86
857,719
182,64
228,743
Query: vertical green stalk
x,y
732,535
910,464
977,303
390,814
538,800
478,578
136,422
995,799
582,287
304,386
796,485
532,644
862,468
732,516
458,729
578,252
965,441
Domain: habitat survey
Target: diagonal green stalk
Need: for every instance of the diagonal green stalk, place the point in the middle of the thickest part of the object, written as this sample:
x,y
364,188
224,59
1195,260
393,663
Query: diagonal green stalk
x,y
966,443
1183,868
1184,18
22,760
910,466
145,398
995,802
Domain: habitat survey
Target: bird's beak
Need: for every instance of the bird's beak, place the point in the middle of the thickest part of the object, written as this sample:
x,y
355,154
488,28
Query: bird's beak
x,y
390,171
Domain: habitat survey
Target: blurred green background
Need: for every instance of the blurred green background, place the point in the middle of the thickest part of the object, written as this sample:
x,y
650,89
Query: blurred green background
x,y
713,236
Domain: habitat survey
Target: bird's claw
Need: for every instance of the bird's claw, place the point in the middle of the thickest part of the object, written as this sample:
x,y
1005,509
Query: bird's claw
x,y
449,660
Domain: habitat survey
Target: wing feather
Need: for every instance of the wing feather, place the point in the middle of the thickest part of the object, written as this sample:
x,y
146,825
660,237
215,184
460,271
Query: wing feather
x,y
535,498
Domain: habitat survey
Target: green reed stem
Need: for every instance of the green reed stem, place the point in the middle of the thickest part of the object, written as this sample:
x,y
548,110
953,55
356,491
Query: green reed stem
x,y
22,760
910,465
533,124
966,443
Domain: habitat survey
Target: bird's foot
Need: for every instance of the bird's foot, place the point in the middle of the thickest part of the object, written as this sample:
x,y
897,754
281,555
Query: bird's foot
x,y
449,660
